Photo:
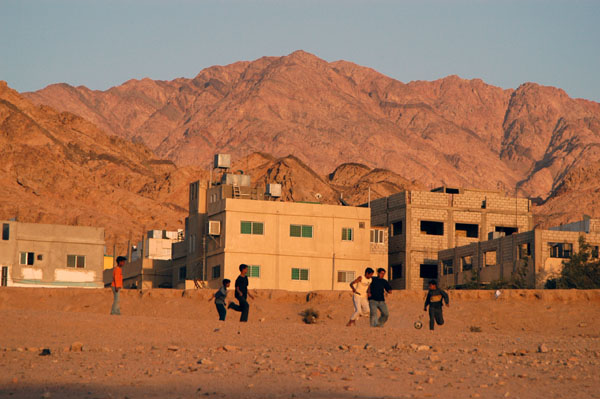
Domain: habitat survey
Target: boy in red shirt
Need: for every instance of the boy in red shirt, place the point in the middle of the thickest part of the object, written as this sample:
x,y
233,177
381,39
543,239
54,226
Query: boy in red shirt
x,y
117,284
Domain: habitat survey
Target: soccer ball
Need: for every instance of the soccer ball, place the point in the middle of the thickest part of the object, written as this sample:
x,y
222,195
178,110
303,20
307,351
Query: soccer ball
x,y
418,325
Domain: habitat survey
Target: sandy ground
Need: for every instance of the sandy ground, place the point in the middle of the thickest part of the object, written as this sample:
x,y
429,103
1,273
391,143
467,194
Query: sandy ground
x,y
169,344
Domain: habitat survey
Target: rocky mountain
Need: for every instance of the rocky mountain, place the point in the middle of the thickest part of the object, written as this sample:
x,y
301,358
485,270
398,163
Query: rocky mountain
x,y
56,167
578,194
450,131
348,184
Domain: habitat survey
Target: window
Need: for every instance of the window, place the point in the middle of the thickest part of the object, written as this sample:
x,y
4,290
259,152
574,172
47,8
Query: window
x,y
524,250
396,271
467,263
216,271
182,273
299,274
447,267
595,251
432,228
346,276
466,230
297,230
5,231
361,225
255,228
428,271
489,258
377,236
76,261
347,234
397,228
192,243
560,249
254,271
506,230
27,258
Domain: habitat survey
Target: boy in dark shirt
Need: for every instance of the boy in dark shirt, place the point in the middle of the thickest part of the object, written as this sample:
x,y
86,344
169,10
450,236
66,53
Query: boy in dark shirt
x,y
435,296
242,294
219,297
377,298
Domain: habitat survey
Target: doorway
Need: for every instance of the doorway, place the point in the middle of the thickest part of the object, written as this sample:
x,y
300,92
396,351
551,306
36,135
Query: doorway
x,y
4,280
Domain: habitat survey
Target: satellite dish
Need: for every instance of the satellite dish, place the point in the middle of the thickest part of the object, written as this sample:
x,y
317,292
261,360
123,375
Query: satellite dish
x,y
318,196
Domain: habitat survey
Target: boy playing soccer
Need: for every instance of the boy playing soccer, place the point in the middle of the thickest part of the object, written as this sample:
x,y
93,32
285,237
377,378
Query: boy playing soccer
x,y
219,297
434,300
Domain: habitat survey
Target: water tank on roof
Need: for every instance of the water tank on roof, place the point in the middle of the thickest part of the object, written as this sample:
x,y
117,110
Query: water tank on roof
x,y
274,190
222,161
230,179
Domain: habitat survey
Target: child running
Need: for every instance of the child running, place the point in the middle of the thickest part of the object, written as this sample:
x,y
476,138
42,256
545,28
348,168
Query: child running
x,y
434,301
219,297
361,300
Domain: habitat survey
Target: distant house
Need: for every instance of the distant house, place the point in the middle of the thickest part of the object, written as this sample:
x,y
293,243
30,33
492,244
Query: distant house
x,y
51,255
540,252
150,264
295,246
421,223
288,245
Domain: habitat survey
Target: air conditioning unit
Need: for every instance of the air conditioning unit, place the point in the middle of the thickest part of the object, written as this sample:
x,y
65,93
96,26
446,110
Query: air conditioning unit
x,y
222,161
214,227
274,190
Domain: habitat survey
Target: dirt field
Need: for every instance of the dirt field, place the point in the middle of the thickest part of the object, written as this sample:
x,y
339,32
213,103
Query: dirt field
x,y
169,344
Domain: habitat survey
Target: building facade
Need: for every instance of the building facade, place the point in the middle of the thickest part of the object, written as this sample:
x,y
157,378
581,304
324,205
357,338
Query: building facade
x,y
51,255
539,253
421,223
150,264
288,245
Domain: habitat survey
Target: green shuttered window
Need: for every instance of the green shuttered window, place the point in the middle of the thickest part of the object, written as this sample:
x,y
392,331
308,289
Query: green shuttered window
x,y
256,228
299,274
297,230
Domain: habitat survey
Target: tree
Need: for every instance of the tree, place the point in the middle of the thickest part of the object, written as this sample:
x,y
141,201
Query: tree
x,y
581,271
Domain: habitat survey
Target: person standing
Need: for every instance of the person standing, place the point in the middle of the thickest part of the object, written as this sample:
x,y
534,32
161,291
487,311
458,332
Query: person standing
x,y
359,289
117,284
376,293
241,294
435,299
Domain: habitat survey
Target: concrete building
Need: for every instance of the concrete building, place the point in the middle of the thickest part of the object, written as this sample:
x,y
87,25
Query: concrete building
x,y
288,245
540,252
51,255
157,245
154,268
421,223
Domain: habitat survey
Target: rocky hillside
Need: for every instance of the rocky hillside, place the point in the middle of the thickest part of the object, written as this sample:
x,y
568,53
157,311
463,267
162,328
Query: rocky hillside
x,y
56,167
450,131
347,184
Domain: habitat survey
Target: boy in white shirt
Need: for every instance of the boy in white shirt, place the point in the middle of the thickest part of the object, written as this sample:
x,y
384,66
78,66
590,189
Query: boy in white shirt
x,y
359,296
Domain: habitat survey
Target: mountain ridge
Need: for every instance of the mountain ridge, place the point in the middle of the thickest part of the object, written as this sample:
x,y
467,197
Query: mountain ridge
x,y
448,131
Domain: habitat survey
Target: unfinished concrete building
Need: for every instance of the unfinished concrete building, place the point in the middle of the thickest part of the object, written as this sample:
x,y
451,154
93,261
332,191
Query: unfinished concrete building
x,y
538,254
421,223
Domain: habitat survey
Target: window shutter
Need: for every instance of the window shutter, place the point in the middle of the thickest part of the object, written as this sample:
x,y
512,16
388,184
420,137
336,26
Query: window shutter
x,y
246,228
257,228
307,231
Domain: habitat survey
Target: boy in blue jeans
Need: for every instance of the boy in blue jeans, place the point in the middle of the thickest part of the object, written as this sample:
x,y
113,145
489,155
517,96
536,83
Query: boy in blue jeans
x,y
219,297
435,300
